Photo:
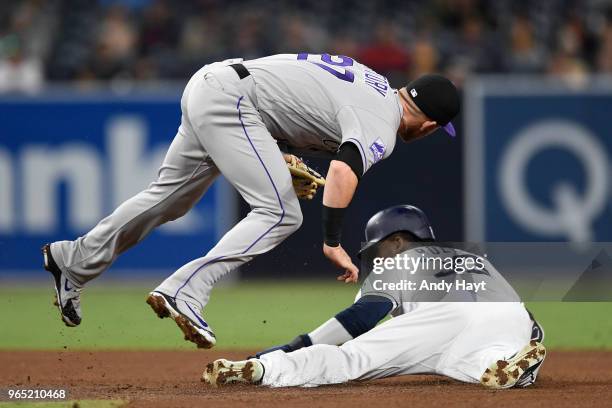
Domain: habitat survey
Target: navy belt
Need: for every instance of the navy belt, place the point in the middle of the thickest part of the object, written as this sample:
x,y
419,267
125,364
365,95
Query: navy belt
x,y
241,70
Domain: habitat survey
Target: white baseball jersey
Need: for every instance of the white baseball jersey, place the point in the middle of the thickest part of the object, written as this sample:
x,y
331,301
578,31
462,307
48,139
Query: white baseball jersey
x,y
456,333
429,274
312,103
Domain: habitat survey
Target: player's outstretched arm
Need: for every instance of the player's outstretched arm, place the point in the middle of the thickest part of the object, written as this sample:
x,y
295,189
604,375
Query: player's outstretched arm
x,y
339,190
360,317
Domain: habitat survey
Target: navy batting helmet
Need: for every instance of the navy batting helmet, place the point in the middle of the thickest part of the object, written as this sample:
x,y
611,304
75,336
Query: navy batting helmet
x,y
406,218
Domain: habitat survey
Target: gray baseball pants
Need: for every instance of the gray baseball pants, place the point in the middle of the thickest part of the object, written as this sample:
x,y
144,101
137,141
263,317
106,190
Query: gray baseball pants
x,y
221,131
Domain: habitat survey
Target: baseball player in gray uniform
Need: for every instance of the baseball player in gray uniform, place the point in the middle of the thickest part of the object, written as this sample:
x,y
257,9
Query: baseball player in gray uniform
x,y
453,315
242,119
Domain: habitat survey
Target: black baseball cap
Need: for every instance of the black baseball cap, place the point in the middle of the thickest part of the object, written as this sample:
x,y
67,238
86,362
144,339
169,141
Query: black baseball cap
x,y
437,98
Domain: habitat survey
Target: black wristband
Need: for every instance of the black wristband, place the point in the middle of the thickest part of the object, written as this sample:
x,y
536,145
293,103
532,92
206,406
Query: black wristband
x,y
332,225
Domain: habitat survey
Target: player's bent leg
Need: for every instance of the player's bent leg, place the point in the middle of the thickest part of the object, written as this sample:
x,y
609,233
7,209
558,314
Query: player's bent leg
x,y
181,183
496,350
190,286
412,343
185,175
249,158
401,345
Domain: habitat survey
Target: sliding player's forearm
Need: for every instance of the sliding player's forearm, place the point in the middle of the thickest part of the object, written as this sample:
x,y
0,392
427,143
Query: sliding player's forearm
x,y
364,314
331,332
353,321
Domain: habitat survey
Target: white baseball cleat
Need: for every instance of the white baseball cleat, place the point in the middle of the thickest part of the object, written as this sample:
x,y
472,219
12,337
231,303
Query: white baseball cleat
x,y
186,318
67,294
519,371
222,372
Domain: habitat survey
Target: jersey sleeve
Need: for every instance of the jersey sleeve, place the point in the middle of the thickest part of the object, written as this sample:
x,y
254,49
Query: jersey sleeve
x,y
377,285
373,136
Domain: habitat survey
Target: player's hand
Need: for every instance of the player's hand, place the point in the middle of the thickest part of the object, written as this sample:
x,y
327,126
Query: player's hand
x,y
339,257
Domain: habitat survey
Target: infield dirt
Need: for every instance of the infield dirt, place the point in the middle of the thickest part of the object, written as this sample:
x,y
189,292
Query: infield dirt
x,y
172,379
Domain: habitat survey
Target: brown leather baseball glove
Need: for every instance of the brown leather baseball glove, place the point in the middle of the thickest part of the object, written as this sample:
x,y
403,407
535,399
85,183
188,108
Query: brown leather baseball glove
x,y
306,181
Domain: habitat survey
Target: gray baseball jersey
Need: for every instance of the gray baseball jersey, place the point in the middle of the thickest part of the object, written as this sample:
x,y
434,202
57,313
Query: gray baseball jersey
x,y
312,103
236,125
438,274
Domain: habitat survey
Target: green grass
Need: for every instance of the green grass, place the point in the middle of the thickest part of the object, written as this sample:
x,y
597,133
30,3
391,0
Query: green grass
x,y
243,316
581,325
63,404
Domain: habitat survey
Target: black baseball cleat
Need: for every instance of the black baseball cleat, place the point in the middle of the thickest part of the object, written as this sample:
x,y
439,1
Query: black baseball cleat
x,y
67,294
194,328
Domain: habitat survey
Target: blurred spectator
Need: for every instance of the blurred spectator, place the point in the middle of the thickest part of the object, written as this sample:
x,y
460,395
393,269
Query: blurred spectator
x,y
159,36
24,43
116,44
567,62
568,69
117,38
475,49
18,72
343,44
525,54
604,55
299,34
248,39
164,39
425,58
201,37
34,22
160,30
386,54
571,38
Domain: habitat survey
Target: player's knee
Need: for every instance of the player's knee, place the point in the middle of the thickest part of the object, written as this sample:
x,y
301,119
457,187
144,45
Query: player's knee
x,y
173,209
287,216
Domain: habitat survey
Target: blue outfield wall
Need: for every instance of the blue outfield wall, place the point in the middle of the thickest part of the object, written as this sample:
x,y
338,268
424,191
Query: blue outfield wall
x,y
532,164
538,160
68,159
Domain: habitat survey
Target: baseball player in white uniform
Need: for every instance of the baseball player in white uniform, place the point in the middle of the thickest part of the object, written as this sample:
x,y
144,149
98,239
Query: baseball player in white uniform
x,y
462,320
242,119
